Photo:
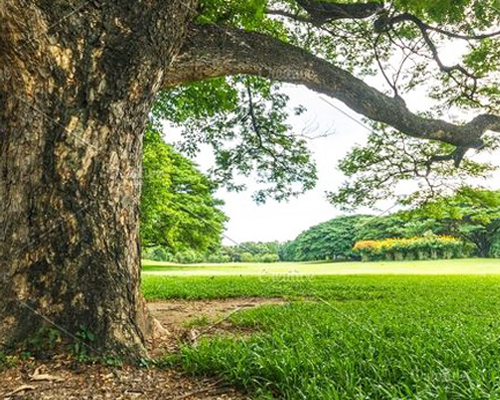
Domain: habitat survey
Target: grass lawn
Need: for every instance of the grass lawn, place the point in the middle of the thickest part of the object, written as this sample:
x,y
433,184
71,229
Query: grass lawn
x,y
351,336
446,267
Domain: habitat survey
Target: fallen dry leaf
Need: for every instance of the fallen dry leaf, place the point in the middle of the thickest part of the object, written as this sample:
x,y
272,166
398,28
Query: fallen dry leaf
x,y
23,388
37,377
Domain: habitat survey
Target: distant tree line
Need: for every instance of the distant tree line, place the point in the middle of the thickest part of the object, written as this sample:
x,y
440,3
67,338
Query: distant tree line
x,y
267,252
471,216
181,221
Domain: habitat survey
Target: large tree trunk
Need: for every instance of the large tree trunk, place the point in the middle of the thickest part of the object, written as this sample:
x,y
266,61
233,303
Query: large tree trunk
x,y
75,90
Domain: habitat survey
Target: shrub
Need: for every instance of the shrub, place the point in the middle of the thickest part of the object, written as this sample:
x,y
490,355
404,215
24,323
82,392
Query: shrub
x,y
213,258
247,257
422,248
269,258
495,248
217,258
188,257
160,254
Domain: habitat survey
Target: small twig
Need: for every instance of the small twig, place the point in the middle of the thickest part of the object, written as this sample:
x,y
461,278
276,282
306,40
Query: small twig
x,y
384,23
295,17
381,67
422,25
218,322
199,391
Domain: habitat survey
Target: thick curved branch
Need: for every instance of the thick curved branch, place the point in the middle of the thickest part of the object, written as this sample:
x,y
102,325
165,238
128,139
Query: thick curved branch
x,y
326,11
212,51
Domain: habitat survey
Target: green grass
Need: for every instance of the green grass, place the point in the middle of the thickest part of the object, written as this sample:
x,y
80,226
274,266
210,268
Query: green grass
x,y
444,267
157,287
352,336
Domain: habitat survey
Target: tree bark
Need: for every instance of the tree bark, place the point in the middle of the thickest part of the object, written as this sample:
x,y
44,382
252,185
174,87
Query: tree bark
x,y
75,90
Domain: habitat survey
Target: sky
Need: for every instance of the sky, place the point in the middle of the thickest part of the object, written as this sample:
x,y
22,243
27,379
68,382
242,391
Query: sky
x,y
283,221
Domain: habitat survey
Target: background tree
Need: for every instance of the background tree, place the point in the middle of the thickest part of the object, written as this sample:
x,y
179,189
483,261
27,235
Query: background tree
x,y
401,224
77,86
334,239
331,240
253,251
471,215
178,208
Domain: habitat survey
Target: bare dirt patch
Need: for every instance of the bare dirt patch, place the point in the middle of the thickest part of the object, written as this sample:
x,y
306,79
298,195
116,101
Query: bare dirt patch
x,y
174,315
72,381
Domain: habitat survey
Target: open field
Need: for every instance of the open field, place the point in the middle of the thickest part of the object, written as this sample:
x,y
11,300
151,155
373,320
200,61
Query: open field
x,y
442,267
349,336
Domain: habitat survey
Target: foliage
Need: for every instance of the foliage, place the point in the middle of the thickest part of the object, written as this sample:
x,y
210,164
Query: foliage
x,y
156,254
8,360
472,215
178,207
252,251
335,239
219,111
331,240
245,13
244,252
269,258
375,170
401,224
247,257
243,119
495,247
188,257
217,258
422,248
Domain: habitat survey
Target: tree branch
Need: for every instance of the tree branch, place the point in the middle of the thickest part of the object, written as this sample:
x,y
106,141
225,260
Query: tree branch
x,y
422,25
212,51
290,15
384,23
435,54
326,11
456,156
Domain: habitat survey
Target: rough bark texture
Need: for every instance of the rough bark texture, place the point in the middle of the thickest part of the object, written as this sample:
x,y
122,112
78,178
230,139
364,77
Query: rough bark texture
x,y
75,89
214,51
